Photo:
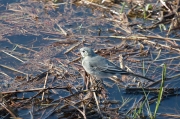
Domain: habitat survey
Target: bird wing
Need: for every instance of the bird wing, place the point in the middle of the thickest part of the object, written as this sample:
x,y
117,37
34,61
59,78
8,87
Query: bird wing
x,y
101,64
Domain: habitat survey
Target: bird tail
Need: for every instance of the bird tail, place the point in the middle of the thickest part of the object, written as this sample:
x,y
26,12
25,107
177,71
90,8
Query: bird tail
x,y
141,77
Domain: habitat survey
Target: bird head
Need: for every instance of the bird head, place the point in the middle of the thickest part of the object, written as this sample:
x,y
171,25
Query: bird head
x,y
85,51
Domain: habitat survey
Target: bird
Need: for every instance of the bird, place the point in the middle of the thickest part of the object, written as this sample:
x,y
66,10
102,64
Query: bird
x,y
101,67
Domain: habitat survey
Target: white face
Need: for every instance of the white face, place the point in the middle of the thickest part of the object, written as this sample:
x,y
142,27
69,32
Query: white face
x,y
84,52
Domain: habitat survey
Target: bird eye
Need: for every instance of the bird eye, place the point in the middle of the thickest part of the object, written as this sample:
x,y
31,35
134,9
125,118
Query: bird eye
x,y
83,51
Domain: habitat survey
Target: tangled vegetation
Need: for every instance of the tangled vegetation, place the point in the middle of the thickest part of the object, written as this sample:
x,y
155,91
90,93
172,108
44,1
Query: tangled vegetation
x,y
40,65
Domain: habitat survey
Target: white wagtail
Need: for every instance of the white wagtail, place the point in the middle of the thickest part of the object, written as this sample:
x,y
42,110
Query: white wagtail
x,y
101,67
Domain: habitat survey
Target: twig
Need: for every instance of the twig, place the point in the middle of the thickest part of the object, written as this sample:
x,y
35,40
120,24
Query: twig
x,y
100,6
161,45
121,61
13,56
52,110
13,69
146,40
36,89
63,31
5,74
8,110
70,49
95,97
20,46
45,82
77,109
171,58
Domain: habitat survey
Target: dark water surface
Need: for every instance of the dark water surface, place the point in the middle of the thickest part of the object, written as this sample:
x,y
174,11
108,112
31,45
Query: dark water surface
x,y
81,23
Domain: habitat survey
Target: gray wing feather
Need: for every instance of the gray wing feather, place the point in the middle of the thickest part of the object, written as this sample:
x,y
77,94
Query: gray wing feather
x,y
101,64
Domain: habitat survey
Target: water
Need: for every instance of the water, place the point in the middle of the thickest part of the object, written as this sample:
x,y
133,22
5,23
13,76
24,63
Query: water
x,y
30,30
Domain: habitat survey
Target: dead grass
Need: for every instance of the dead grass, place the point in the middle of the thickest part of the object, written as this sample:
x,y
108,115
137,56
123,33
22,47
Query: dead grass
x,y
45,78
